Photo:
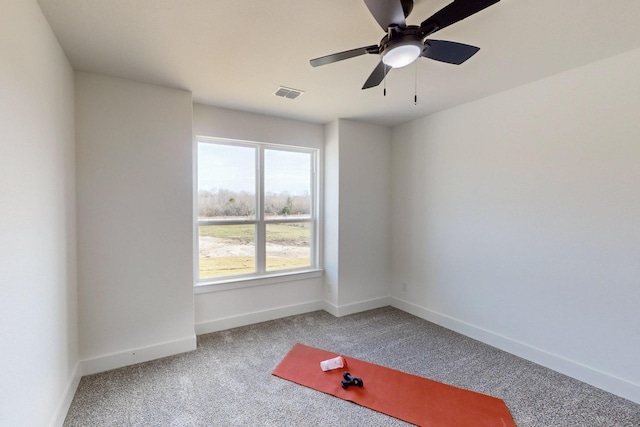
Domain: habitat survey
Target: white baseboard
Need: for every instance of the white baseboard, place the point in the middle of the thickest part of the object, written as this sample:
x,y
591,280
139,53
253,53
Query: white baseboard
x,y
356,307
245,319
292,310
587,374
67,396
137,355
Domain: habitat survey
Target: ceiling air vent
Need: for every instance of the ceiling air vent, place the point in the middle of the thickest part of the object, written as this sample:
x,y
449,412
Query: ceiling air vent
x,y
287,92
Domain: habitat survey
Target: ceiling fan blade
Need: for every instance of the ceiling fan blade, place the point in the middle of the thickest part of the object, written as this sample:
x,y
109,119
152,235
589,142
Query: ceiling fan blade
x,y
377,76
335,57
451,52
452,13
387,12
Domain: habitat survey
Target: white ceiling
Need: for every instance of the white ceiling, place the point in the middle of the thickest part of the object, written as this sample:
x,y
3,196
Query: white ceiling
x,y
235,53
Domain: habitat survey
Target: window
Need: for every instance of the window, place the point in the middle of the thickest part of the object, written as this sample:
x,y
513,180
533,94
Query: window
x,y
256,208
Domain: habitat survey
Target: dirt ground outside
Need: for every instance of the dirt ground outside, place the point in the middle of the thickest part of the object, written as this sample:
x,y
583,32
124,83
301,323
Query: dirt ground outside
x,y
212,247
223,257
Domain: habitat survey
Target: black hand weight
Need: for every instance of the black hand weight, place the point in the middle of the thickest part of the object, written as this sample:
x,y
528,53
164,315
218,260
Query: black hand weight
x,y
351,380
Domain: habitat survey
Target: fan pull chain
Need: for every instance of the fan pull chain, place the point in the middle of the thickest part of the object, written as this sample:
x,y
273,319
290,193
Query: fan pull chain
x,y
384,91
415,86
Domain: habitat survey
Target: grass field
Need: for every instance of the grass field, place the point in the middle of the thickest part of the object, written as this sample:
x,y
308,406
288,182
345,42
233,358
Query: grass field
x,y
225,266
276,233
285,250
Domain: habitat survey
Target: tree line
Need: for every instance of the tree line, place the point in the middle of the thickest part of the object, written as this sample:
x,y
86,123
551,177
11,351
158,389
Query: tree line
x,y
227,203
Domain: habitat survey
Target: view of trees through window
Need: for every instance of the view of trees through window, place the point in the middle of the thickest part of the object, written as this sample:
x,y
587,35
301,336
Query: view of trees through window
x,y
254,219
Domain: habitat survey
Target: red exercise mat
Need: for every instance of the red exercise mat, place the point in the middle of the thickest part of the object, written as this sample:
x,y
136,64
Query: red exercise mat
x,y
404,396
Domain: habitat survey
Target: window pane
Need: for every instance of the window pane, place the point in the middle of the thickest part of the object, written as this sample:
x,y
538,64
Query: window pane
x,y
226,250
226,181
288,245
287,184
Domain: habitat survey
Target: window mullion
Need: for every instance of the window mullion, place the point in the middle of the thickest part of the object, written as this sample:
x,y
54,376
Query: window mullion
x,y
261,239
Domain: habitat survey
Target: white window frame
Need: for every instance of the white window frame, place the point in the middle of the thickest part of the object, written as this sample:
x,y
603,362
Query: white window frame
x,y
260,276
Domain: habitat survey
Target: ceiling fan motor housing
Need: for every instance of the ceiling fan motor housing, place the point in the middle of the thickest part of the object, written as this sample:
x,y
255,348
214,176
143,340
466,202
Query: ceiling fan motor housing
x,y
401,46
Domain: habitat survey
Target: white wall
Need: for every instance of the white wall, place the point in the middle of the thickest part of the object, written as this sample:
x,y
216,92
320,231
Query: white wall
x,y
38,333
134,171
358,216
332,214
222,309
516,221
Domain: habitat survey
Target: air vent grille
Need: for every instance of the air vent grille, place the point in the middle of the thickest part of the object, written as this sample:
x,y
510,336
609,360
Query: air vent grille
x,y
287,92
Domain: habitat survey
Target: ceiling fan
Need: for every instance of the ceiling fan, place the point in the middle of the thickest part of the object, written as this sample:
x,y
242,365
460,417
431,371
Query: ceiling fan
x,y
404,43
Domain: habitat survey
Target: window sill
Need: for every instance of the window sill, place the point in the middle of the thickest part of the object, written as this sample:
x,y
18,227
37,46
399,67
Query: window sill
x,y
247,282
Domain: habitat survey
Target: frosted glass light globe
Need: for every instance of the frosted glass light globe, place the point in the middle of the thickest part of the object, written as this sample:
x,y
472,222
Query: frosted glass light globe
x,y
402,55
